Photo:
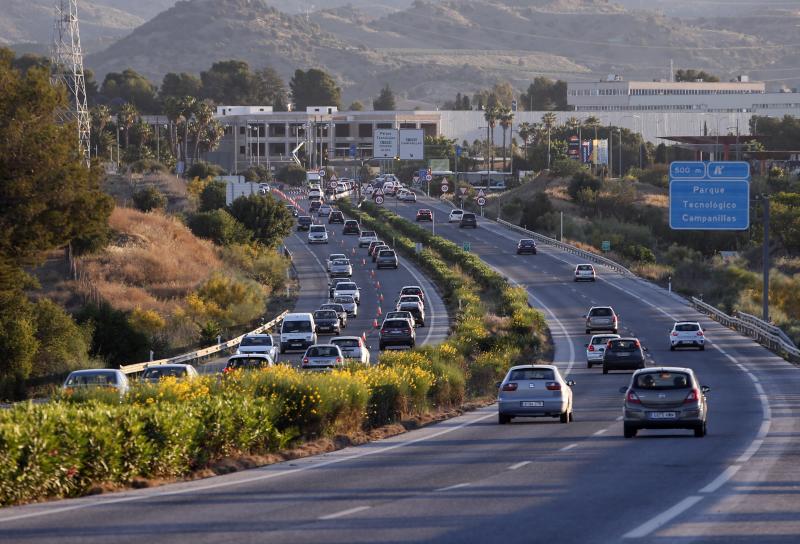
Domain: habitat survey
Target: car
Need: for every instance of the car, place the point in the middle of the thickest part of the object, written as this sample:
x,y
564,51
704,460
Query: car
x,y
97,378
526,245
314,206
387,258
336,217
413,290
317,234
333,283
424,215
377,249
341,268
248,361
153,374
304,222
334,257
396,332
402,315
372,245
365,237
292,210
353,347
297,331
585,272
264,188
687,334
534,391
327,321
455,216
325,210
348,288
665,398
602,318
468,220
415,309
349,303
623,354
410,299
258,343
322,356
407,196
340,311
351,226
596,347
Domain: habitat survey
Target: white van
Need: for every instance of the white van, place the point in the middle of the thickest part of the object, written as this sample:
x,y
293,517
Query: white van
x,y
297,332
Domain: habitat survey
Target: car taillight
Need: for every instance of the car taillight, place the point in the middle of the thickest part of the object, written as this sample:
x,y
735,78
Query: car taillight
x,y
608,346
338,359
511,386
633,398
674,334
305,360
591,347
553,386
637,344
699,333
693,396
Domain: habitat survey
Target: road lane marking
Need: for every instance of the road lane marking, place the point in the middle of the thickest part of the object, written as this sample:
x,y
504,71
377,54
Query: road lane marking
x,y
344,513
451,487
601,431
754,446
663,518
722,479
521,464
567,448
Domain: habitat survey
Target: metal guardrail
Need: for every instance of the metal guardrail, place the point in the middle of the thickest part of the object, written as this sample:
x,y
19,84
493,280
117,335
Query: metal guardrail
x,y
752,327
588,255
191,356
766,327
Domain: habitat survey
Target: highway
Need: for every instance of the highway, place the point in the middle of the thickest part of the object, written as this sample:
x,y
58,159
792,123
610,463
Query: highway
x,y
471,480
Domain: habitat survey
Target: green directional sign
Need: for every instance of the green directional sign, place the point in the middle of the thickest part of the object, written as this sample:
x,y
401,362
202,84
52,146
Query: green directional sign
x,y
466,246
605,245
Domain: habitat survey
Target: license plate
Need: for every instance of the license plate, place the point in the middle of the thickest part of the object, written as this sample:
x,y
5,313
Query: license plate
x,y
623,354
531,403
663,415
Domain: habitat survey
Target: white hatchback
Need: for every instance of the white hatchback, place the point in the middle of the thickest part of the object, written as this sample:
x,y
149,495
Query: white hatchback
x,y
597,347
317,234
585,272
687,334
455,216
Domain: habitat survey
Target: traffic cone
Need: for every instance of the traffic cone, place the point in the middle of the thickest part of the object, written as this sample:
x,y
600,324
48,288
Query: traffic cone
x,y
353,251
378,285
363,261
380,312
342,243
380,297
364,334
372,273
374,325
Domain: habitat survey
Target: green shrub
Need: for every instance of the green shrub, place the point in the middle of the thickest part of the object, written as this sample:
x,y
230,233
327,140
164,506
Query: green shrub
x,y
148,199
219,226
213,196
583,180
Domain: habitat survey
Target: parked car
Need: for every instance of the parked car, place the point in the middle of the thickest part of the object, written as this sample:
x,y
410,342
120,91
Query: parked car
x,y
665,398
596,347
248,361
349,304
348,288
336,217
534,391
396,332
152,374
526,245
334,257
340,311
468,220
687,334
623,354
323,356
424,215
402,315
413,290
351,226
602,318
297,331
353,347
100,377
585,272
387,258
317,234
365,237
258,343
341,268
455,216
325,210
304,222
327,321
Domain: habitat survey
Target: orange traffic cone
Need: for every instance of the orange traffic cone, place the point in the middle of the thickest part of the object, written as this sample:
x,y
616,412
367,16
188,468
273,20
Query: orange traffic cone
x,y
364,334
353,251
372,273
363,261
378,285
379,311
380,297
374,324
342,243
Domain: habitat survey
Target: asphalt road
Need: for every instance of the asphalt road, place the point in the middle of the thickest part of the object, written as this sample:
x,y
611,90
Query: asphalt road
x,y
471,480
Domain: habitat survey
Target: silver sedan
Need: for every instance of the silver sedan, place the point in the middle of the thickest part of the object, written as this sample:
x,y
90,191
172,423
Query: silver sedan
x,y
534,391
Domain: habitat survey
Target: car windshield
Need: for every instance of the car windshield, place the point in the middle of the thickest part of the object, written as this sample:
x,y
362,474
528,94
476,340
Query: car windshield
x,y
532,374
347,287
158,373
304,219
256,341
325,314
662,380
345,342
303,325
322,351
345,300
317,228
341,262
601,312
93,378
624,345
687,327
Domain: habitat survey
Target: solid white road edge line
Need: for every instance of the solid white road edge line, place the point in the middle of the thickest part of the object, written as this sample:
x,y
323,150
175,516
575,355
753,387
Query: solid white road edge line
x,y
567,448
722,479
450,487
521,464
344,513
665,517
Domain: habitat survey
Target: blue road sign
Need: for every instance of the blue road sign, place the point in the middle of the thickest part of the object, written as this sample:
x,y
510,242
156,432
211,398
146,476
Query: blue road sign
x,y
422,173
709,196
352,150
458,151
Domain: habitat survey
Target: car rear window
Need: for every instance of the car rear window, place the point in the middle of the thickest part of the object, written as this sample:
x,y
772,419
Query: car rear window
x,y
624,345
368,233
334,307
95,378
601,312
246,362
256,341
344,300
317,228
325,314
601,339
411,291
304,219
532,374
349,222
663,380
687,327
323,351
158,373
347,286
469,216
346,342
341,262
386,253
585,267
396,324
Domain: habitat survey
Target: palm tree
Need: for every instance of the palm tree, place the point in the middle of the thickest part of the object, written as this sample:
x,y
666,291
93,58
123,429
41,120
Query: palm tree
x,y
187,106
101,117
203,115
172,108
525,132
549,120
506,117
126,117
490,115
212,136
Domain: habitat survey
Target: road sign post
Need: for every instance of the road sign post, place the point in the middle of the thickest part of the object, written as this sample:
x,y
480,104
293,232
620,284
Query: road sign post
x,y
709,195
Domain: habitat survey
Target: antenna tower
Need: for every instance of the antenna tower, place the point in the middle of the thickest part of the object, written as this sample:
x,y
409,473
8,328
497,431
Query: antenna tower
x,y
67,69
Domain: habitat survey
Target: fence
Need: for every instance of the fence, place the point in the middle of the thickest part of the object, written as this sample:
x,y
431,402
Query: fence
x,y
201,353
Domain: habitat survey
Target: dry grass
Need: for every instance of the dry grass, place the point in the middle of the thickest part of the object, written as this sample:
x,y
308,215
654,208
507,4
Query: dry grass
x,y
154,261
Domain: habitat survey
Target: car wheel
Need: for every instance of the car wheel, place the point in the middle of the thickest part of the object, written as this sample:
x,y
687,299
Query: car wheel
x,y
700,430
702,348
615,331
502,419
381,347
571,416
588,364
588,331
283,349
564,417
672,348
629,431
605,369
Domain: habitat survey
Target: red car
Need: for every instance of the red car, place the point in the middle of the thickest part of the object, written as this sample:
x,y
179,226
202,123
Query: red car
x,y
424,215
